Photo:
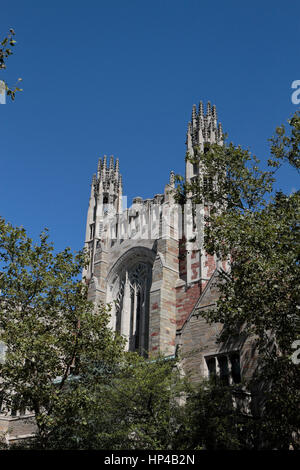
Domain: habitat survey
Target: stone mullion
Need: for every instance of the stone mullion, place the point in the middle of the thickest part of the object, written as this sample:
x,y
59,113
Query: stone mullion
x,y
134,313
143,318
125,314
229,365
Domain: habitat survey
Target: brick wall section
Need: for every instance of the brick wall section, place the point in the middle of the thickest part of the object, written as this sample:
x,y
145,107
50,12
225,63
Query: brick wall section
x,y
188,295
186,298
198,339
210,265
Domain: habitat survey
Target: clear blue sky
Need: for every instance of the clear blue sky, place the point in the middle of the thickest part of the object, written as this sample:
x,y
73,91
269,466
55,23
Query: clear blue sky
x,y
120,77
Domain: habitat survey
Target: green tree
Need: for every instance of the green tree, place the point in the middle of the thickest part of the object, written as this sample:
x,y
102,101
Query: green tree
x,y
6,46
212,420
65,364
137,408
50,332
258,228
148,404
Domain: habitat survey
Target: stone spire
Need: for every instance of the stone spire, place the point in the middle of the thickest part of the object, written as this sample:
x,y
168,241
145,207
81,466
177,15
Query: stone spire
x,y
105,199
111,166
172,178
204,128
104,164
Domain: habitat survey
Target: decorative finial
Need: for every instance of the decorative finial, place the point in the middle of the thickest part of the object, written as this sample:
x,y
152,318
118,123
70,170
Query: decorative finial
x,y
111,162
172,178
214,112
194,117
220,131
99,169
208,109
205,128
201,111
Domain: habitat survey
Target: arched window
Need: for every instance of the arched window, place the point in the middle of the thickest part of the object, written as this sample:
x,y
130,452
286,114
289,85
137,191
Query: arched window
x,y
132,306
128,283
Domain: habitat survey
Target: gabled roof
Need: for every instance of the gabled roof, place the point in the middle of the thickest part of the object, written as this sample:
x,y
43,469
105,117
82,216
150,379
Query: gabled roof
x,y
202,302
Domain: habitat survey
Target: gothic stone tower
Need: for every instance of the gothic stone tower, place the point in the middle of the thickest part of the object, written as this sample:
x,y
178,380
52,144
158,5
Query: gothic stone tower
x,y
133,262
157,276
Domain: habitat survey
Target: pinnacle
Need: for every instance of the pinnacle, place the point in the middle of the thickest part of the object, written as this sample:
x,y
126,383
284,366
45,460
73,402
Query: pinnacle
x,y
194,111
104,164
201,112
204,127
220,131
99,169
214,112
108,169
208,109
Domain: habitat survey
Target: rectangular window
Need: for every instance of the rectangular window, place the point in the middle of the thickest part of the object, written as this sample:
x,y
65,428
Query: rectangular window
x,y
235,367
224,370
225,366
211,365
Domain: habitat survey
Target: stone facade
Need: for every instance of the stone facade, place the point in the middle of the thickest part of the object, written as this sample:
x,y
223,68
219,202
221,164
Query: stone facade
x,y
159,310
14,429
149,262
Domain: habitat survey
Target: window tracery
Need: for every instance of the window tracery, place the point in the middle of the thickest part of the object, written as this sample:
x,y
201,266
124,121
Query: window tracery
x,y
132,305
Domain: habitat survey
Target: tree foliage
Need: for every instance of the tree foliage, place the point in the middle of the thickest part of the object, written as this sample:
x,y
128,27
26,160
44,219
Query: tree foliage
x,y
212,420
6,45
137,407
50,330
65,364
257,228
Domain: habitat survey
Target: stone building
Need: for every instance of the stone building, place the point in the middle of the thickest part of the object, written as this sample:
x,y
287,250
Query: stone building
x,y
149,262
